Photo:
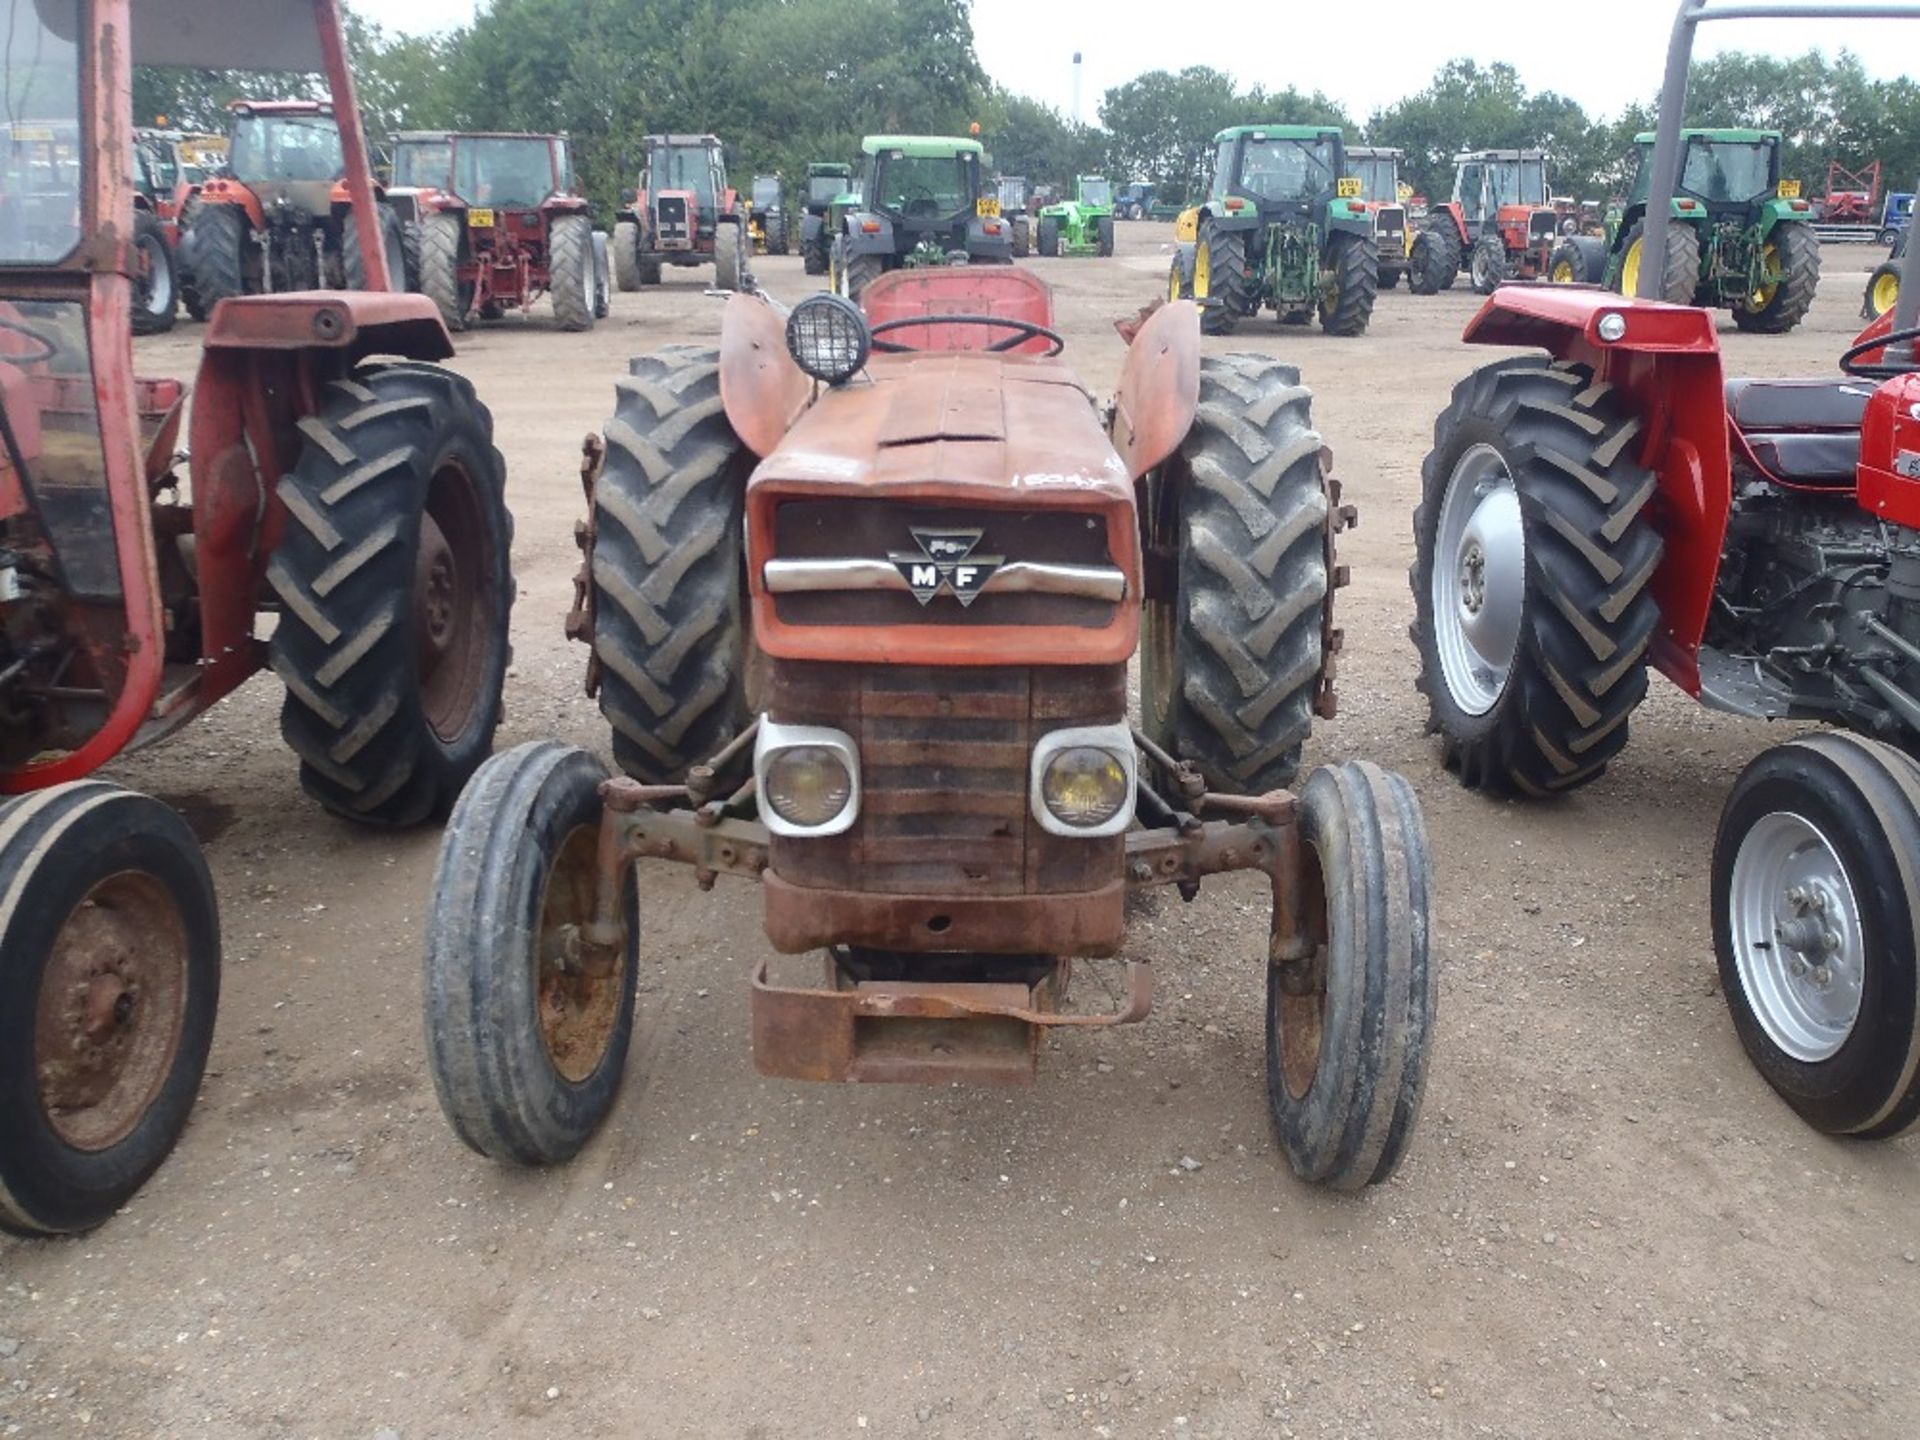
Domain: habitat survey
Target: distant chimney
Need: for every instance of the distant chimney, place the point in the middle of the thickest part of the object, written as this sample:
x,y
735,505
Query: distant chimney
x,y
1076,87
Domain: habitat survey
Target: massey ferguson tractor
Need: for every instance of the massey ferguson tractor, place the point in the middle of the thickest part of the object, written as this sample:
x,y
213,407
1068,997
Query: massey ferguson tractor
x,y
684,213
1080,226
1617,504
1286,227
1740,237
351,507
862,590
924,202
275,217
1381,191
1501,224
505,227
826,184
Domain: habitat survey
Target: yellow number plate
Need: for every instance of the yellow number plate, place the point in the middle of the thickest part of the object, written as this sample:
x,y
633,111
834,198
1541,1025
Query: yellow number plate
x,y
480,219
1789,189
33,134
988,208
1347,187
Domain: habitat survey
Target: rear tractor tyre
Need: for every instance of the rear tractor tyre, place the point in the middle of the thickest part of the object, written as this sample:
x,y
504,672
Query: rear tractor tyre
x,y
443,237
1883,291
1349,282
219,254
1049,245
392,240
669,631
528,1024
1220,274
394,591
1348,1037
602,275
410,248
570,278
1103,235
1231,665
156,286
729,255
626,255
858,272
1534,556
1180,274
107,916
1815,900
1775,307
1022,237
1435,262
1679,276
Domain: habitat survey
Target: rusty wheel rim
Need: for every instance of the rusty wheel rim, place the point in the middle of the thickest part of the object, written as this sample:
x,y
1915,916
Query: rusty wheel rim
x,y
452,603
1303,1017
579,988
112,1010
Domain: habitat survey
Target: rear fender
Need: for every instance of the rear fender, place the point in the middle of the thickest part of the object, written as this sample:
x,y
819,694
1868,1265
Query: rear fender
x,y
1451,209
1159,388
761,389
1351,216
1222,220
1669,365
862,240
989,237
220,191
1781,212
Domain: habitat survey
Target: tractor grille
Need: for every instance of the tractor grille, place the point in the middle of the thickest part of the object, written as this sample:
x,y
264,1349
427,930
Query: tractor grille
x,y
1542,225
944,754
1391,220
670,219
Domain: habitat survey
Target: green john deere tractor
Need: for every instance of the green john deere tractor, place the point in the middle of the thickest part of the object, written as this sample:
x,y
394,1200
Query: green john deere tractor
x,y
925,203
1082,225
1283,226
1743,238
826,183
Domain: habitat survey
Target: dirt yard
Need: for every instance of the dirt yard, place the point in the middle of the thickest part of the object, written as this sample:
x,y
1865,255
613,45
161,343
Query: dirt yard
x,y
1607,1223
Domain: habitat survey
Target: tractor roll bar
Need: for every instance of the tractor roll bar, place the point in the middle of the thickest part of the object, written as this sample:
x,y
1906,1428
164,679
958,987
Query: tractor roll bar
x,y
1673,105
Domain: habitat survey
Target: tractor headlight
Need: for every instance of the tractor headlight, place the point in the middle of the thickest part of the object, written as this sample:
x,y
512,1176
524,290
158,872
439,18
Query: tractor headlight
x,y
808,779
828,338
1612,326
1083,781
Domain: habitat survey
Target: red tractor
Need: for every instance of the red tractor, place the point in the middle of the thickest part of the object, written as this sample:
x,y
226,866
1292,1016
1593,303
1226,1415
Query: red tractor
x,y
1617,504
1501,224
275,217
502,225
169,169
862,590
351,507
684,213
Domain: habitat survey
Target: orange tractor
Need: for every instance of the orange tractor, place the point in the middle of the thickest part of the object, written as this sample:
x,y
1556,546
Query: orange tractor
x,y
1500,224
684,213
353,508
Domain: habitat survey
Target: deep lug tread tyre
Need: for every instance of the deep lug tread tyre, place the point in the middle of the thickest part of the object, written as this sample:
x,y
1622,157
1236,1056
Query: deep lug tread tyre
x,y
729,257
1022,235
1588,615
1234,662
410,247
353,262
860,272
1103,235
1680,272
570,272
62,848
517,862
1229,279
219,244
349,639
1346,1068
626,255
1799,250
1049,236
442,238
1354,261
1864,798
1488,266
1435,263
669,629
156,295
602,275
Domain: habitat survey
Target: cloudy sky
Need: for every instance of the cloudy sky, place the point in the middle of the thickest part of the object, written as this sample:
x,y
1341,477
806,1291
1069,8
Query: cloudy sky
x,y
1356,52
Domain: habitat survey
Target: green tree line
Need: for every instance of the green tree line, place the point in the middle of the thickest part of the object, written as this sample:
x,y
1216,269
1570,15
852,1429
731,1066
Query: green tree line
x,y
789,81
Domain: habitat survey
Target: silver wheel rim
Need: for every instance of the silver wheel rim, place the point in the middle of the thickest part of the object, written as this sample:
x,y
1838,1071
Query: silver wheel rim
x,y
159,298
1795,932
1479,580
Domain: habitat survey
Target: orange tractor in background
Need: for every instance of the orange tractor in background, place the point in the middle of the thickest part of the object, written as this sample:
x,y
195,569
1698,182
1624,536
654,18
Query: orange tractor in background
x,y
1500,224
684,213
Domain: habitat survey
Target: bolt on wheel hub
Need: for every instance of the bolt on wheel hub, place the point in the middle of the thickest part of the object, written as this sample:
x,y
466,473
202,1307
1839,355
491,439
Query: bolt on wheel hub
x,y
1479,579
1797,939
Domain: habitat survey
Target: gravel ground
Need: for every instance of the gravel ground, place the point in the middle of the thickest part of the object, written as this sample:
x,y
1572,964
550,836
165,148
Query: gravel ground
x,y
1607,1223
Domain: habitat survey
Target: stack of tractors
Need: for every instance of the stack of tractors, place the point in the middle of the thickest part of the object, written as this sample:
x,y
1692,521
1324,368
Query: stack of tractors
x,y
1080,226
684,213
1501,224
925,202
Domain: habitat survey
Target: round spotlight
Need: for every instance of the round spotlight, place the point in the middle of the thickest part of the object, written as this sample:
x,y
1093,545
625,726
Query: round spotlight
x,y
828,338
1613,326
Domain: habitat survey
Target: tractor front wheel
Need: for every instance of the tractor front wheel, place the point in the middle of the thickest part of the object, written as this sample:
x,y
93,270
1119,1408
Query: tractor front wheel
x,y
626,255
442,238
1349,280
1883,291
668,629
1679,276
1814,924
1348,1029
394,591
1790,274
1533,561
1220,275
1435,261
570,276
110,962
528,1020
1232,662
156,285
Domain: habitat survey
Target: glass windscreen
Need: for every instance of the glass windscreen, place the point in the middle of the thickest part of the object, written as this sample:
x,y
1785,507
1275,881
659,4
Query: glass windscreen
x,y
1724,171
1013,192
1517,182
923,184
684,167
507,174
766,193
422,164
1096,192
1379,177
50,439
40,190
1286,169
270,148
823,189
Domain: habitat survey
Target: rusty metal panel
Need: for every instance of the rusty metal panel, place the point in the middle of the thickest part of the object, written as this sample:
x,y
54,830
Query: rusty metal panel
x,y
763,391
1159,388
360,322
1090,923
1004,290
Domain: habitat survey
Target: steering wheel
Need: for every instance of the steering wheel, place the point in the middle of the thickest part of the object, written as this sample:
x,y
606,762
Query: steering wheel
x,y
1850,361
41,356
1027,330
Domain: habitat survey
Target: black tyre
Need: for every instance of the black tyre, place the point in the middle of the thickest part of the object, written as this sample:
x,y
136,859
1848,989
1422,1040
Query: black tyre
x,y
571,274
353,262
626,255
1022,237
1488,266
729,256
1883,291
1180,273
395,591
219,254
443,243
1679,274
1815,896
1103,234
813,254
858,272
1390,276
602,275
1049,243
528,1022
776,234
1231,666
649,271
410,247
1775,307
1534,556
669,628
190,296
1349,280
156,284
1221,274
1348,1033
1435,262
1578,260
110,959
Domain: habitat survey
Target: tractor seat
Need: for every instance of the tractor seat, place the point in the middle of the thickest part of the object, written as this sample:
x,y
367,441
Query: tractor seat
x,y
1803,431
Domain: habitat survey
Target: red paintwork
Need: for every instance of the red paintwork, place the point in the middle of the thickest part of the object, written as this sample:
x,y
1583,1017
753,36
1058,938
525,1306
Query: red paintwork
x,y
1891,429
1452,208
1881,324
361,322
761,388
1159,387
960,290
1669,362
507,263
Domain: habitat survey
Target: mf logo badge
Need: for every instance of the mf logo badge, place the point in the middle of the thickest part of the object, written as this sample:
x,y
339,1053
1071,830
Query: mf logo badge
x,y
946,561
